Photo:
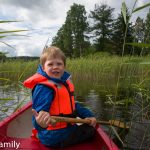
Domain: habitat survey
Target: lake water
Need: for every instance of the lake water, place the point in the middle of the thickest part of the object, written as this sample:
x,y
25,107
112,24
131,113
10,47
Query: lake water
x,y
10,99
137,138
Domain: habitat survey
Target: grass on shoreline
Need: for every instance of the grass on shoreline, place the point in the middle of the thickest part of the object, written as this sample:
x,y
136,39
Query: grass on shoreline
x,y
101,72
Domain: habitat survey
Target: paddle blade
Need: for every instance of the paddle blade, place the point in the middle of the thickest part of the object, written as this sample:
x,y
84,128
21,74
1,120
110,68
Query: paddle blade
x,y
119,124
116,123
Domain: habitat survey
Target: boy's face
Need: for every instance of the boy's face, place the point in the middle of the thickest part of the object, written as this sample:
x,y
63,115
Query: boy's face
x,y
54,67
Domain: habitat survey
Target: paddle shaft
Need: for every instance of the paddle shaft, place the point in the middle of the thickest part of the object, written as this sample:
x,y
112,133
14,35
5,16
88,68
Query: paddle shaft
x,y
87,121
70,120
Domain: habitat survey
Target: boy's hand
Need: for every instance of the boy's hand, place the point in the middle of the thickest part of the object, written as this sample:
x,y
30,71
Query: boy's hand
x,y
93,121
43,118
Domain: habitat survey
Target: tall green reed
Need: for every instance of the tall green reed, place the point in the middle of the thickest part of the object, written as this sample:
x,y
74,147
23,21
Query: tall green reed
x,y
97,71
16,70
140,86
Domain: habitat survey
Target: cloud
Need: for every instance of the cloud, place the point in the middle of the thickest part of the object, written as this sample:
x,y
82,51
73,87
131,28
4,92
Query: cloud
x,y
42,19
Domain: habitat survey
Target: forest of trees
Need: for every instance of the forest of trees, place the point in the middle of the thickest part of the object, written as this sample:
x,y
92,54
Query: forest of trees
x,y
82,34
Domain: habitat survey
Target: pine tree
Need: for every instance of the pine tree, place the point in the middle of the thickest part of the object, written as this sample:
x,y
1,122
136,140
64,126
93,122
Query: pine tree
x,y
147,28
139,30
71,37
58,39
139,35
102,25
79,26
68,38
119,28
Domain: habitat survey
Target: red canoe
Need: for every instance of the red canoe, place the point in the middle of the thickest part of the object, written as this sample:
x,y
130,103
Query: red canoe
x,y
15,133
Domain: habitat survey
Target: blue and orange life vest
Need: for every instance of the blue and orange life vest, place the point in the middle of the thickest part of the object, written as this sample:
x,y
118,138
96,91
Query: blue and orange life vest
x,y
63,103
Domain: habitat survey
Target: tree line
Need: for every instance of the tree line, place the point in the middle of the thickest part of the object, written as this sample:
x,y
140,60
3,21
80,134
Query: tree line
x,y
3,57
82,34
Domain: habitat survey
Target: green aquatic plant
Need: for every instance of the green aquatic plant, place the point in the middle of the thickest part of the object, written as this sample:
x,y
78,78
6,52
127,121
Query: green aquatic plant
x,y
8,33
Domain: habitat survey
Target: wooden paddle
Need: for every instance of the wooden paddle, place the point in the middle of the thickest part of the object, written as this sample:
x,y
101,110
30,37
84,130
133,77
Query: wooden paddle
x,y
115,123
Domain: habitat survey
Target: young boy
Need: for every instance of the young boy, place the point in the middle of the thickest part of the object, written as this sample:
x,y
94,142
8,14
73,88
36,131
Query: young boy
x,y
53,95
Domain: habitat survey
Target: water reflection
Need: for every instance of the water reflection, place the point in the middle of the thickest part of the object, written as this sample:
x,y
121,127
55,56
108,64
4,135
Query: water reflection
x,y
139,134
138,137
95,103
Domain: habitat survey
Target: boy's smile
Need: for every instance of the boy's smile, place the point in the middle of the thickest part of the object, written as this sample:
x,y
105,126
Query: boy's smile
x,y
54,67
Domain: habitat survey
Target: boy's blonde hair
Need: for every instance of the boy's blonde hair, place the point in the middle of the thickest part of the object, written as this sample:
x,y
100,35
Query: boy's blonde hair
x,y
50,53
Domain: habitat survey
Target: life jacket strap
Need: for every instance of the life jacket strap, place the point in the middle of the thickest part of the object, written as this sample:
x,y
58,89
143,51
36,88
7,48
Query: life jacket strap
x,y
34,135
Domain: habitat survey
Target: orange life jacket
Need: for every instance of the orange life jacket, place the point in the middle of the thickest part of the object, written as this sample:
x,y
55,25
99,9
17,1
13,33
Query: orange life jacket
x,y
63,103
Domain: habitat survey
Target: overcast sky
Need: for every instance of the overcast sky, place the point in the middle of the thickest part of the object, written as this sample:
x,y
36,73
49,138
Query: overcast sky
x,y
42,19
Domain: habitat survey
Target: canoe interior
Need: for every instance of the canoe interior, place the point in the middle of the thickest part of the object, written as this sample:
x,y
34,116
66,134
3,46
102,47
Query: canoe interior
x,y
18,126
21,126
